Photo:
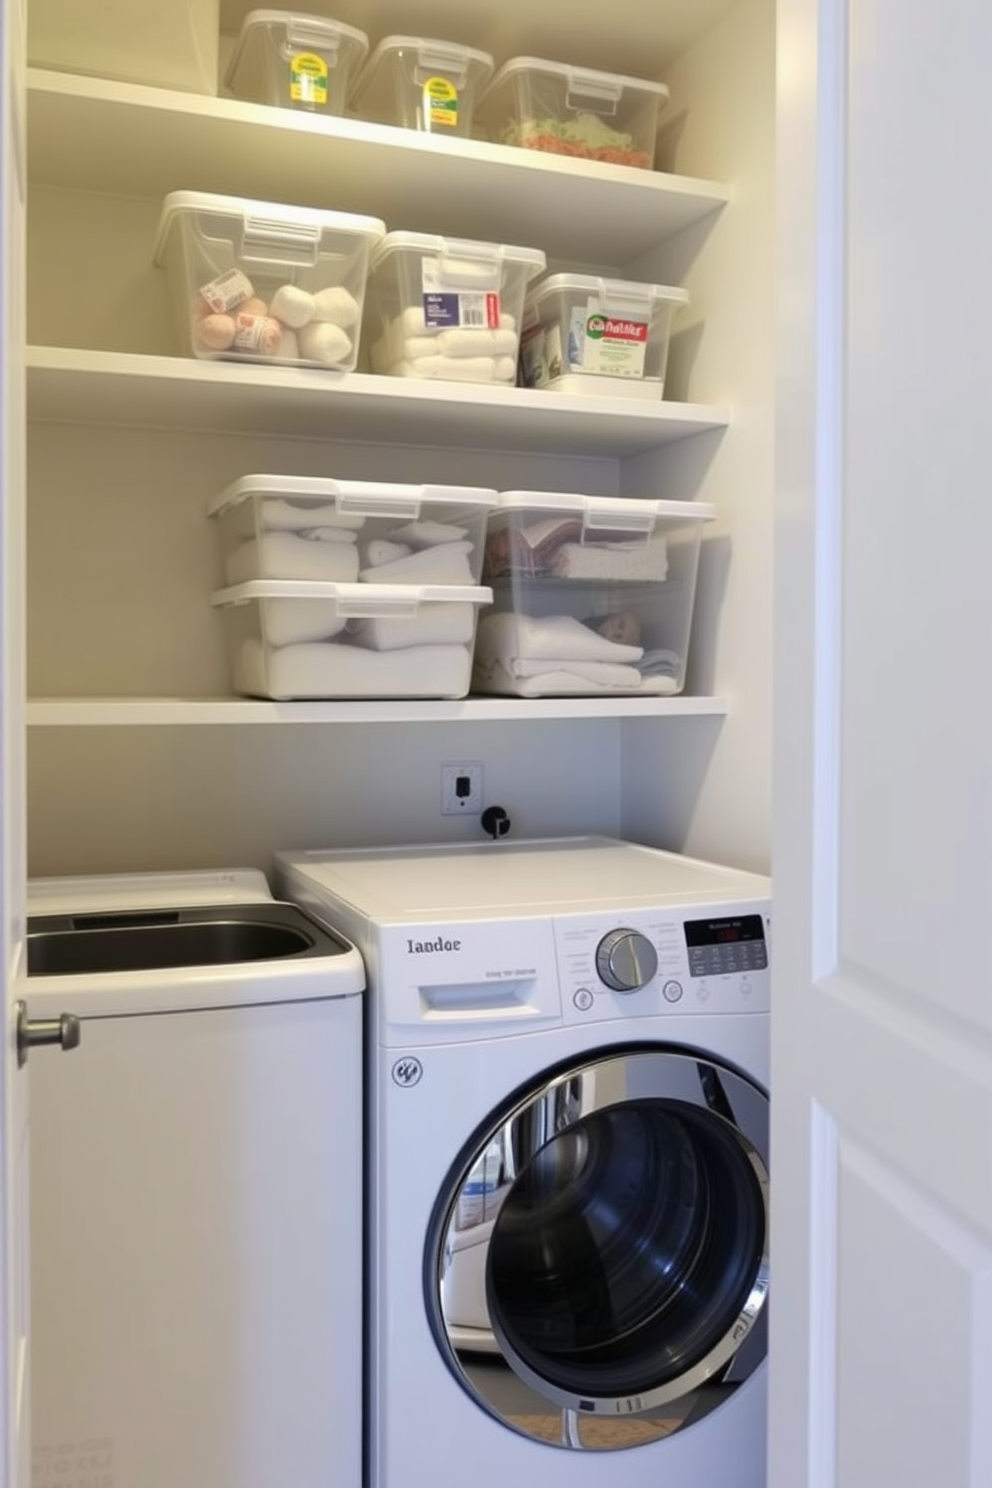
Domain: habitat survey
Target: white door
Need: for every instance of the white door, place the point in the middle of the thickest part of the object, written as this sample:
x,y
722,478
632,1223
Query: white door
x,y
14,1433
881,1324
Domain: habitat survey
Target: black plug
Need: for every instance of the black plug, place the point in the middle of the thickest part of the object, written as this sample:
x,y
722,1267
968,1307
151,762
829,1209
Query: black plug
x,y
495,821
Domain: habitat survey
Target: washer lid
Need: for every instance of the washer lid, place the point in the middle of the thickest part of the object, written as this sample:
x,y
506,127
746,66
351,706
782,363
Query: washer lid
x,y
519,879
121,891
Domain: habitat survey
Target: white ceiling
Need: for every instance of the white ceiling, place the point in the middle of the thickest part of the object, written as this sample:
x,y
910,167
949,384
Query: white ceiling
x,y
638,37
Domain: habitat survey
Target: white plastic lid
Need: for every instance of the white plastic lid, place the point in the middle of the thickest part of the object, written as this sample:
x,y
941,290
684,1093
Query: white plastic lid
x,y
298,30
612,291
360,498
248,211
440,56
583,81
533,259
127,891
366,600
610,513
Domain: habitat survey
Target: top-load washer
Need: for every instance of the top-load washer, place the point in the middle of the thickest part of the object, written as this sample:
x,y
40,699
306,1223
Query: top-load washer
x,y
567,1098
196,1182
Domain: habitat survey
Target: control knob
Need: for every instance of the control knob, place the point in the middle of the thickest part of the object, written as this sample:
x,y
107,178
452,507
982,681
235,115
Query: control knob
x,y
626,960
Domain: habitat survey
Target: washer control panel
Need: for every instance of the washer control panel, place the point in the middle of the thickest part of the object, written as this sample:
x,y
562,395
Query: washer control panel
x,y
674,961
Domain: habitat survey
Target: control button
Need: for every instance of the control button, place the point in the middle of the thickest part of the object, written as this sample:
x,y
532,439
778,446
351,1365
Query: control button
x,y
745,988
626,960
583,999
702,990
672,991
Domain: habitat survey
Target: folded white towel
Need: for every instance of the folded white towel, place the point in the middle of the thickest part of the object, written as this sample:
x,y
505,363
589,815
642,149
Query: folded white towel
x,y
621,561
447,368
661,662
289,555
291,516
563,682
507,636
446,563
609,673
330,670
380,551
466,341
433,625
425,534
289,621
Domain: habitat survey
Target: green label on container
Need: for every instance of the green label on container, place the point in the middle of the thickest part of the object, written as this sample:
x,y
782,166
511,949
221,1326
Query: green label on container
x,y
308,79
440,103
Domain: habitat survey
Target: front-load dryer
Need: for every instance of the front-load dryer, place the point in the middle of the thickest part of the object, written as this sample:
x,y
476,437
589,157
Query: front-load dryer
x,y
568,1144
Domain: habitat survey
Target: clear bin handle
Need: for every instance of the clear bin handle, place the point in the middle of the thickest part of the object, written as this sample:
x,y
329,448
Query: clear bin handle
x,y
299,34
587,87
392,607
619,524
433,60
379,506
264,241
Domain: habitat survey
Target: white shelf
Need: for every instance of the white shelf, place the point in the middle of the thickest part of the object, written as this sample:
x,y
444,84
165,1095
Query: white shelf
x,y
88,133
141,712
116,388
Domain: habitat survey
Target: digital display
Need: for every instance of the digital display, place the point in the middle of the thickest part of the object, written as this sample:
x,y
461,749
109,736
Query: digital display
x,y
724,932
726,946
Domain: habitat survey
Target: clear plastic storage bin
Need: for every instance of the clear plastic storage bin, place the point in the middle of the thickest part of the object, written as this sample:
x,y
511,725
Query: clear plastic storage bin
x,y
161,43
302,640
296,61
583,334
258,281
419,83
447,308
311,528
573,111
591,595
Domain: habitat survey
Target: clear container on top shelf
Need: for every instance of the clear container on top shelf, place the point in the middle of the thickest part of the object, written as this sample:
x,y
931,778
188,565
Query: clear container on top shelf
x,y
592,595
313,640
161,43
551,106
296,61
447,308
374,532
260,281
419,83
587,335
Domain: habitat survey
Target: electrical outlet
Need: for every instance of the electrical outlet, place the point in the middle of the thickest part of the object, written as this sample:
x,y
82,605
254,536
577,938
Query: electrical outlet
x,y
461,789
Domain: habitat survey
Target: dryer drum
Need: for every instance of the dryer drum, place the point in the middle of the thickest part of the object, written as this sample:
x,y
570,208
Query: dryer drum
x,y
623,1210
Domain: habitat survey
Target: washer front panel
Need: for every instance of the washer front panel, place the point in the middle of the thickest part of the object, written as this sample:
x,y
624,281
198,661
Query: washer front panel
x,y
607,1242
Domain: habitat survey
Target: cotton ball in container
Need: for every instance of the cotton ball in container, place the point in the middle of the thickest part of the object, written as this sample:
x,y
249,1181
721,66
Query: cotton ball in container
x,y
257,333
214,332
293,306
336,305
322,342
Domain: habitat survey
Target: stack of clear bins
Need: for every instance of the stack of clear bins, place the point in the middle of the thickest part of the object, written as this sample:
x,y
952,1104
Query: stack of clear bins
x,y
592,595
350,589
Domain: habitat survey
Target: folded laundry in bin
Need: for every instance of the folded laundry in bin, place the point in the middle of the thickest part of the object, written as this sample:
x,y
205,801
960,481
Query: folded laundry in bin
x,y
293,555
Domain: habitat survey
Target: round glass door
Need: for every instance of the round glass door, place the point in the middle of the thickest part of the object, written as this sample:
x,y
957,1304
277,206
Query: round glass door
x,y
599,1264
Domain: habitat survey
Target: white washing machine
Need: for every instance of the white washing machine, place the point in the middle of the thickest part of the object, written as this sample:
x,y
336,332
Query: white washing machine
x,y
196,1187
568,1142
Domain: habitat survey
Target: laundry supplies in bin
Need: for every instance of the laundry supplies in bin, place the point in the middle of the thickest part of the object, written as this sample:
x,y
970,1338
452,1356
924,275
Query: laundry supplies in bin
x,y
587,335
260,281
296,61
419,83
602,116
447,308
592,595
299,640
313,528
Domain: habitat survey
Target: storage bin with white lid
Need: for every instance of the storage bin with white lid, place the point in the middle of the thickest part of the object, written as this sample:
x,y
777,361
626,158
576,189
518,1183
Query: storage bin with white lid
x,y
544,105
157,43
300,640
447,308
417,82
592,595
262,281
295,61
319,529
584,334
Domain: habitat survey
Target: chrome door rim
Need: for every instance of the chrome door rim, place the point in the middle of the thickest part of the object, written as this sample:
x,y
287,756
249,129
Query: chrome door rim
x,y
550,1108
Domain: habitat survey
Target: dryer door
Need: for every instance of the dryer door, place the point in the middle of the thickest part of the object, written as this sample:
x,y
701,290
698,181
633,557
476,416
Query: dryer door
x,y
597,1269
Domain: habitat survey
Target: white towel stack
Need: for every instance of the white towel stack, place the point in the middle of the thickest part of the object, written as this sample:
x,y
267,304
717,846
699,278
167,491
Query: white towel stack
x,y
411,348
530,656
